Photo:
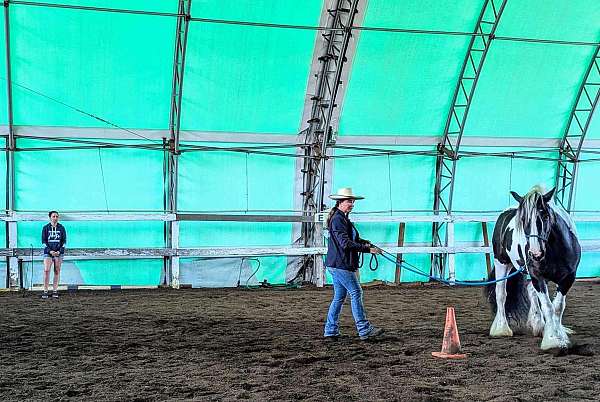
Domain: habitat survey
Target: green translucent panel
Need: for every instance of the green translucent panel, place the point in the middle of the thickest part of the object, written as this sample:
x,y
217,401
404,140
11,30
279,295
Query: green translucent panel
x,y
484,183
590,262
529,98
91,179
574,20
167,6
3,79
396,75
240,234
226,181
586,190
413,180
121,272
594,128
470,267
97,234
246,79
368,177
270,11
589,267
402,84
448,15
115,66
400,182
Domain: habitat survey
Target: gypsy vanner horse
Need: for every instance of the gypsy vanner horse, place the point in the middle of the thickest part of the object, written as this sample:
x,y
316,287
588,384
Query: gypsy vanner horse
x,y
541,237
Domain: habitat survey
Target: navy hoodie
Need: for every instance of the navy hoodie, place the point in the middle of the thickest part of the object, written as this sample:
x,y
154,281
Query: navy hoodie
x,y
54,238
344,243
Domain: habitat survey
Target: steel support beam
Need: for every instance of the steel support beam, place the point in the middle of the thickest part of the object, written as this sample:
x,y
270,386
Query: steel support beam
x,y
575,132
11,227
321,118
172,146
448,148
538,140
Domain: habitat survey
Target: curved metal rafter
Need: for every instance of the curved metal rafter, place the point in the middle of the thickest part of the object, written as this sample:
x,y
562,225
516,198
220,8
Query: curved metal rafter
x,y
171,146
11,227
448,148
321,111
576,131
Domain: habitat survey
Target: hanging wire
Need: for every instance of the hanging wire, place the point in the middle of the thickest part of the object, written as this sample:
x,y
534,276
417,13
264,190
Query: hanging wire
x,y
510,178
247,185
103,181
390,183
78,110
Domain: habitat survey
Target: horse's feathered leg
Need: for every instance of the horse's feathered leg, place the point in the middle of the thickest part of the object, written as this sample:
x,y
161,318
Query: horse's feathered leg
x,y
535,320
560,300
554,334
559,303
500,325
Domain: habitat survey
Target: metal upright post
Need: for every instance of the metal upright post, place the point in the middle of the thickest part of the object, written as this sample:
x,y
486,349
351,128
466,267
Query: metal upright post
x,y
448,148
11,227
576,131
321,115
181,35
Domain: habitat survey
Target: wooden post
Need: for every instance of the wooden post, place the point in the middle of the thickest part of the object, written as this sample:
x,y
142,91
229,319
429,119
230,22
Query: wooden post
x,y
401,231
486,243
174,260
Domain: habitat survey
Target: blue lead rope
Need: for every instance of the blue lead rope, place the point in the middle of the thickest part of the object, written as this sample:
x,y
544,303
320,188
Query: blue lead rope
x,y
404,265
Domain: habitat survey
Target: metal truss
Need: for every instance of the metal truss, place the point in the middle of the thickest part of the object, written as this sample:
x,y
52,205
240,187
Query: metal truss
x,y
11,227
171,146
479,46
319,132
575,132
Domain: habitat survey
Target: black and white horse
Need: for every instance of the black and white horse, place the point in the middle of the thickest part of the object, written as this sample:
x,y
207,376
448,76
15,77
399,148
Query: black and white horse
x,y
540,236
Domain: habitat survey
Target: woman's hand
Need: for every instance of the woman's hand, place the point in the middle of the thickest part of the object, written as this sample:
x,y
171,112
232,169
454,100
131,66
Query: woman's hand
x,y
375,250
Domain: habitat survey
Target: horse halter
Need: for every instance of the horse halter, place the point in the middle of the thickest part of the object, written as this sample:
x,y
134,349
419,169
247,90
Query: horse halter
x,y
542,238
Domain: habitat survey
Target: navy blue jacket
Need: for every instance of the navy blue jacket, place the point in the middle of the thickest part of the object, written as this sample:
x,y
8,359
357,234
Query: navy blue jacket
x,y
343,247
54,238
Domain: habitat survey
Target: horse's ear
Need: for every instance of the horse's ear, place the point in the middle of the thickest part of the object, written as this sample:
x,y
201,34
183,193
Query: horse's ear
x,y
516,196
548,195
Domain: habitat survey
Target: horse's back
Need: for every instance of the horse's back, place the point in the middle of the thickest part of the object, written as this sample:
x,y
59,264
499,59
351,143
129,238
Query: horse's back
x,y
502,238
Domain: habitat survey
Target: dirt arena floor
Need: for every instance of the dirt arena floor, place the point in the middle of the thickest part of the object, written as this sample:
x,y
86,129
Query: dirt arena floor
x,y
266,344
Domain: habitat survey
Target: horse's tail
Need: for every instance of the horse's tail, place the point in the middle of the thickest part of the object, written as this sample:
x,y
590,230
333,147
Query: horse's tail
x,y
517,300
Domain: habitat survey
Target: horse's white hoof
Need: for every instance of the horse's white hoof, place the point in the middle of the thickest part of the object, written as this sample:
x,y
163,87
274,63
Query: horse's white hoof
x,y
500,330
552,342
568,330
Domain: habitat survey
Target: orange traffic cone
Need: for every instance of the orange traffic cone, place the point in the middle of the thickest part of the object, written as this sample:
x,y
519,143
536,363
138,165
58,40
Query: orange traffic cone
x,y
451,342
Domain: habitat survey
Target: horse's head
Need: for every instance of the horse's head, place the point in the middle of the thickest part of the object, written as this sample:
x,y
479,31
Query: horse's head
x,y
534,220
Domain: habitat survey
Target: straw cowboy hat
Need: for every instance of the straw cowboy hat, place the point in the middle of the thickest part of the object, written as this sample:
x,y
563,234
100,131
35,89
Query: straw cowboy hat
x,y
345,193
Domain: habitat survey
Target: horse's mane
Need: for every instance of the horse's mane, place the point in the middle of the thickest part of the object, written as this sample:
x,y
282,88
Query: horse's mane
x,y
528,209
565,215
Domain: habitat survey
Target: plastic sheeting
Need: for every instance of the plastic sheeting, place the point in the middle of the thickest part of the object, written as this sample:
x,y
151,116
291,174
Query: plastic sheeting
x,y
248,79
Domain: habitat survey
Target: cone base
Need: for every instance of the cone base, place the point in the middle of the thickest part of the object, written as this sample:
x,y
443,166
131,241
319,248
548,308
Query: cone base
x,y
443,355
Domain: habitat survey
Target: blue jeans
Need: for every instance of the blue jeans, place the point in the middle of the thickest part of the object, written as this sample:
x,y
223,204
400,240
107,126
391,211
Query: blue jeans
x,y
345,282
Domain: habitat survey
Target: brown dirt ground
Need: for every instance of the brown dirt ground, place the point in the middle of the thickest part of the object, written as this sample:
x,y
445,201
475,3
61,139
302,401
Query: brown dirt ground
x,y
266,344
